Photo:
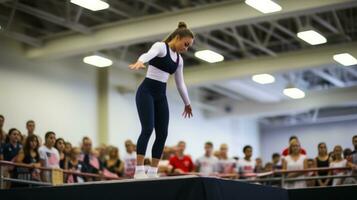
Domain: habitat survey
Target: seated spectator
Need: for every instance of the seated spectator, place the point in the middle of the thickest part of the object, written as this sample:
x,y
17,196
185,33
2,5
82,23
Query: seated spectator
x,y
29,155
90,162
226,165
49,156
113,164
246,166
207,164
322,160
295,161
286,150
180,162
59,145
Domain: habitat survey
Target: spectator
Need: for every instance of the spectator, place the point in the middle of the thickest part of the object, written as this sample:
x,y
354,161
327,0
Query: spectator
x,y
164,166
129,159
12,145
103,153
113,164
277,163
67,149
286,150
259,168
310,165
207,164
59,145
30,126
74,164
295,161
246,166
2,132
181,163
352,162
338,161
49,155
226,165
322,160
29,155
268,167
90,162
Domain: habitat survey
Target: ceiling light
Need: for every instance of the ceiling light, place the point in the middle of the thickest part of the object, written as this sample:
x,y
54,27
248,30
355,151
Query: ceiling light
x,y
264,6
93,5
209,56
312,37
263,78
345,59
294,93
97,61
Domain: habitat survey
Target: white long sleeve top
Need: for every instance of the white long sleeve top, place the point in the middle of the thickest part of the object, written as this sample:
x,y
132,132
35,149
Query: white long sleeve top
x,y
159,49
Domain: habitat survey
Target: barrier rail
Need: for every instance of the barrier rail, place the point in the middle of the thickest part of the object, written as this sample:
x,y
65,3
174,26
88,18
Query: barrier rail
x,y
57,175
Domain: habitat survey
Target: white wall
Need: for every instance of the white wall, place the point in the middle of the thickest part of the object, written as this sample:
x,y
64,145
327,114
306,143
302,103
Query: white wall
x,y
59,95
246,132
331,133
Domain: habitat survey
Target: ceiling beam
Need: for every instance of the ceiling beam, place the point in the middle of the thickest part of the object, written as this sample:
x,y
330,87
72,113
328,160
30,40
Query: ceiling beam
x,y
52,18
297,60
139,30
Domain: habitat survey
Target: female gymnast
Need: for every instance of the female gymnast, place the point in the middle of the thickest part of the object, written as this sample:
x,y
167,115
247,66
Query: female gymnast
x,y
164,59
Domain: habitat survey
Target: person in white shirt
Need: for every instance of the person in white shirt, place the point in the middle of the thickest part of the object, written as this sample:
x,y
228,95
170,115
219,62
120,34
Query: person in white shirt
x,y
129,159
49,156
338,161
295,161
164,59
246,166
207,164
226,165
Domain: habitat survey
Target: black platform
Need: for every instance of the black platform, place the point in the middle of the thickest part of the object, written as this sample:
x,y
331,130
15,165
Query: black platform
x,y
195,188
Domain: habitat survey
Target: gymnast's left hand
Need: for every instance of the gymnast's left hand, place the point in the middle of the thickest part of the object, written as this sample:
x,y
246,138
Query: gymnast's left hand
x,y
187,112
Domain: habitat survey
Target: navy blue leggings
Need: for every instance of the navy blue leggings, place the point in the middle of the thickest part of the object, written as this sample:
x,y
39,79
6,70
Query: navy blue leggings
x,y
153,110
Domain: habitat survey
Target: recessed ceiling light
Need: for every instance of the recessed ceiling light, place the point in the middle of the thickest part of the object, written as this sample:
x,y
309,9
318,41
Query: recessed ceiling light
x,y
294,93
312,37
345,59
93,5
97,61
263,78
264,6
209,56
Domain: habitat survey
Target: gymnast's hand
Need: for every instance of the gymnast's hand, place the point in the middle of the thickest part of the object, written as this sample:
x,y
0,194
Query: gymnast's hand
x,y
136,66
187,112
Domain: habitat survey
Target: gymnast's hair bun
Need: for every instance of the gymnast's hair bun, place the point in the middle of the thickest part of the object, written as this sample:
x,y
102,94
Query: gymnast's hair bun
x,y
182,25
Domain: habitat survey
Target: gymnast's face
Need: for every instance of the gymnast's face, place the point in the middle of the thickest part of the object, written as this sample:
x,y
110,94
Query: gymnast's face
x,y
182,44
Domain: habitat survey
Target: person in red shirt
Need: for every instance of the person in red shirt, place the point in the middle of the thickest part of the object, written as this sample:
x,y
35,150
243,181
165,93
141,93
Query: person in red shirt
x,y
286,150
181,163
